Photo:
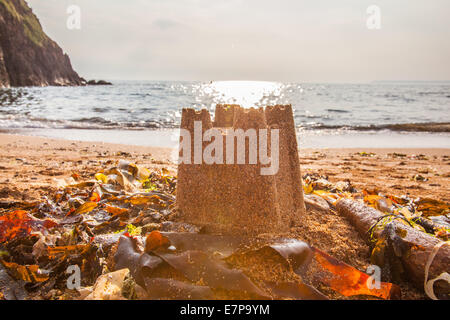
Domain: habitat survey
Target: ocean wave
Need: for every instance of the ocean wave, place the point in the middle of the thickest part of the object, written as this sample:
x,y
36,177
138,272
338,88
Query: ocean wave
x,y
14,122
337,110
155,104
398,127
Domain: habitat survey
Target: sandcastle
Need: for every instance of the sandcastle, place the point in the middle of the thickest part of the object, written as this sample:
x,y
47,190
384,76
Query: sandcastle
x,y
238,198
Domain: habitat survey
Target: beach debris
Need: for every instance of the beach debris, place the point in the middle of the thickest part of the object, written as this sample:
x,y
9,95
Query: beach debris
x,y
295,290
200,273
84,208
125,218
388,251
400,252
296,253
395,240
317,185
171,289
64,252
430,207
366,154
192,265
28,273
419,157
19,223
418,177
445,276
117,285
11,289
197,266
155,240
187,265
424,214
397,155
316,202
77,224
349,281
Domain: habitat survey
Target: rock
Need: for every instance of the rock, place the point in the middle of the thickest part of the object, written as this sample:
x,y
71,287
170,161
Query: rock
x,y
103,83
98,83
28,57
316,202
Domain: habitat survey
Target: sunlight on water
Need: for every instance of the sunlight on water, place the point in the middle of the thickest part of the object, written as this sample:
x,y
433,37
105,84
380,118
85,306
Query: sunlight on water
x,y
245,93
148,105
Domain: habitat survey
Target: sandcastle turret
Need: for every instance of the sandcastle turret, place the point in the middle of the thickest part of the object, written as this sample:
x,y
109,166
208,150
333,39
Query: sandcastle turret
x,y
249,179
224,115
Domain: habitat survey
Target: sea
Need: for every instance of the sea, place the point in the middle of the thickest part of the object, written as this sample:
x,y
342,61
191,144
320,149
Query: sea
x,y
148,113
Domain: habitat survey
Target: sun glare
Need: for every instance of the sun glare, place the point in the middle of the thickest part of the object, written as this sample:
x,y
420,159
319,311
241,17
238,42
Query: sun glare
x,y
245,93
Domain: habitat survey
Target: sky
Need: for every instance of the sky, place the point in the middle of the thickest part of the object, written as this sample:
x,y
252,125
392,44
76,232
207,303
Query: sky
x,y
272,40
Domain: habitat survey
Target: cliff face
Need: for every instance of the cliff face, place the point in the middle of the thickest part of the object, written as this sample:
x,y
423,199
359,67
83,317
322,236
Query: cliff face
x,y
28,57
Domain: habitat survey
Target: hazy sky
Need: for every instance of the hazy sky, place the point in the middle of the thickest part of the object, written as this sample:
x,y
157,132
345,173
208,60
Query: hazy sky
x,y
283,40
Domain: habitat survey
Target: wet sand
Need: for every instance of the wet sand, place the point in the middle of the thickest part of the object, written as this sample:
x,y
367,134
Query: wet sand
x,y
411,172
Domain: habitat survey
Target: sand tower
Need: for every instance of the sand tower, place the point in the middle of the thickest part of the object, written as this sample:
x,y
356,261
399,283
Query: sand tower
x,y
237,198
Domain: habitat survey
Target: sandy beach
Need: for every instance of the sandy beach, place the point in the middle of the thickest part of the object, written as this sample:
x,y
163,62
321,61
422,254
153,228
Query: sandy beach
x,y
30,166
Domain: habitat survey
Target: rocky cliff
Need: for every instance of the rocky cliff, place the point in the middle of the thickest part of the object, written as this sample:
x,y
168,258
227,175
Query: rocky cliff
x,y
28,57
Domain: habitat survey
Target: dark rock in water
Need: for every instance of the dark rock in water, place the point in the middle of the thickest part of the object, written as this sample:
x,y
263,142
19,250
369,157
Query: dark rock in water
x,y
99,83
28,57
103,83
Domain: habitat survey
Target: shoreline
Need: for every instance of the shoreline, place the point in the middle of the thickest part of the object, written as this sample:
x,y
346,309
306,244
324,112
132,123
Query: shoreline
x,y
313,139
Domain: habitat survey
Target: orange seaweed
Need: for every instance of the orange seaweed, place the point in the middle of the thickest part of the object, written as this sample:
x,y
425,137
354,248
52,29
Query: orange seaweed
x,y
156,240
349,281
28,273
85,208
116,211
19,223
64,251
